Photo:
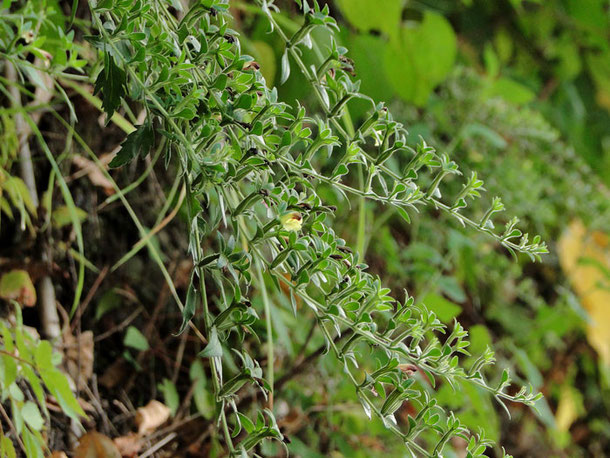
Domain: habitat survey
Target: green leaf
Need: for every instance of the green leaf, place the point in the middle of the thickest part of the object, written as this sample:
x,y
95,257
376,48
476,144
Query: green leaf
x,y
139,142
57,384
509,90
285,68
402,212
367,51
8,368
221,82
43,355
383,15
7,448
443,309
244,102
480,130
109,301
33,444
421,57
599,68
170,394
266,57
135,339
190,306
213,348
201,395
61,216
112,83
32,416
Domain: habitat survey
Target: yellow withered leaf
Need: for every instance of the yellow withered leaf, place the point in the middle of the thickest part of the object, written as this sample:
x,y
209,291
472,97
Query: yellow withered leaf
x,y
585,258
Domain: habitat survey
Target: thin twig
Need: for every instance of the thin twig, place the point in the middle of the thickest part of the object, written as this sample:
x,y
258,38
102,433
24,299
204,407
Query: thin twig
x,y
81,309
12,427
119,327
159,445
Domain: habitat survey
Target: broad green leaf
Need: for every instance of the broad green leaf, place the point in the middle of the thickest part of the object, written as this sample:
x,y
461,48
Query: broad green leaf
x,y
6,447
43,355
381,15
510,90
32,416
108,302
139,142
36,386
421,57
480,130
445,310
135,339
170,394
33,444
61,216
592,15
266,58
201,395
8,370
367,52
57,384
480,339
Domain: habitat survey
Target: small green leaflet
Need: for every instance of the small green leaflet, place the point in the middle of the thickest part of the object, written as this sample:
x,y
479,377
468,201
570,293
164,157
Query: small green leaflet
x,y
135,339
140,141
189,307
112,83
213,348
285,68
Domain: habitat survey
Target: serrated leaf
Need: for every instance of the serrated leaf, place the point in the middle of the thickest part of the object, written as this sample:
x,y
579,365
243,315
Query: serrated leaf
x,y
139,142
112,83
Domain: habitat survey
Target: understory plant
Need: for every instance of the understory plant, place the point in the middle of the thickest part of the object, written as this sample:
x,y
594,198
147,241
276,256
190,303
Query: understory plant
x,y
252,170
251,167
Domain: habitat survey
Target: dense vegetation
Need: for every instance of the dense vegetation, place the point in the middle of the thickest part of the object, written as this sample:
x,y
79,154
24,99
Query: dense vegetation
x,y
306,228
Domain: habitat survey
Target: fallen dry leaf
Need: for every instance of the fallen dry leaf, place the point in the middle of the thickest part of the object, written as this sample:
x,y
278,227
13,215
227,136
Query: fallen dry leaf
x,y
93,171
96,445
17,285
151,416
115,374
129,445
570,408
583,257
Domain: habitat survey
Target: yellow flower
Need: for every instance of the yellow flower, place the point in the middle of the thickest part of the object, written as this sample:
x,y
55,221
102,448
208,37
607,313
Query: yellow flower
x,y
292,221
